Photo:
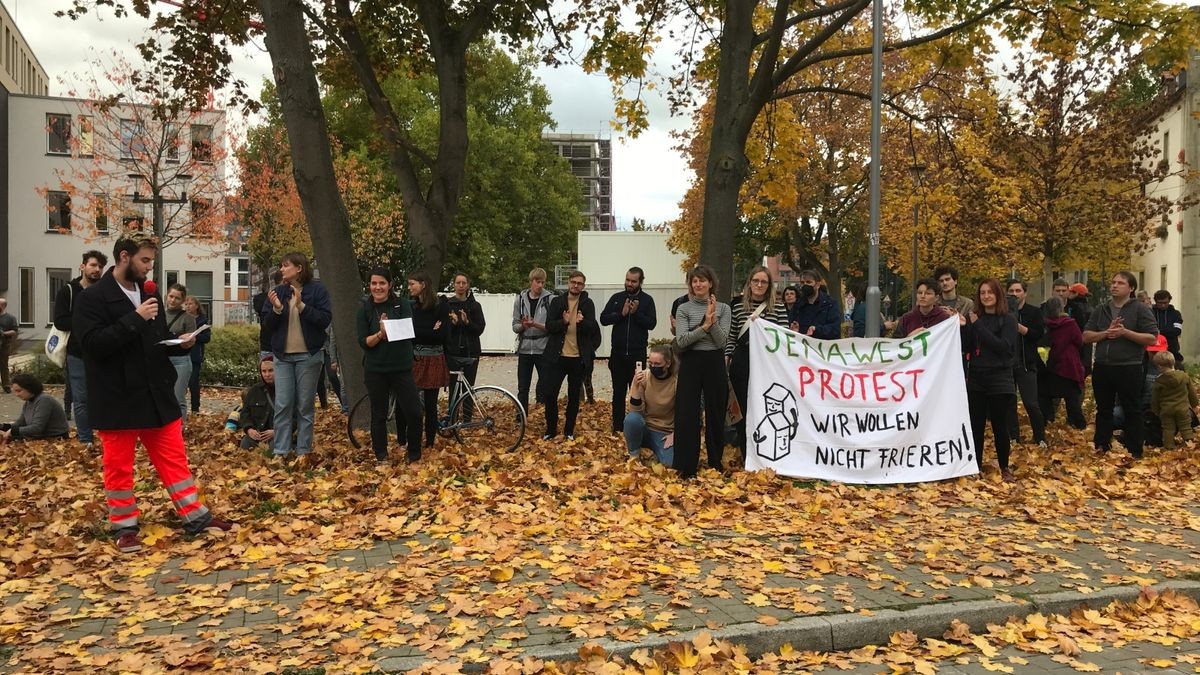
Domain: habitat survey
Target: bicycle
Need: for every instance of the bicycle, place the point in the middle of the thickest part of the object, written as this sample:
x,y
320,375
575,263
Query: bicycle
x,y
485,413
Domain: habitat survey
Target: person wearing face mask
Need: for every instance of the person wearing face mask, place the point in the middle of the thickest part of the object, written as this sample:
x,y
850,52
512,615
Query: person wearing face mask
x,y
179,322
651,419
815,314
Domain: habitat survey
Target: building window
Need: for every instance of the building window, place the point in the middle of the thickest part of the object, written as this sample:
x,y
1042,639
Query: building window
x,y
172,277
202,143
87,141
133,139
1166,147
56,278
1162,278
59,206
25,284
237,275
201,212
200,286
101,202
172,142
58,134
133,215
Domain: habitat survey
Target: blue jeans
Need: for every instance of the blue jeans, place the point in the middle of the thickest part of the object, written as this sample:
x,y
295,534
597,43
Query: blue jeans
x,y
75,374
183,374
638,436
295,388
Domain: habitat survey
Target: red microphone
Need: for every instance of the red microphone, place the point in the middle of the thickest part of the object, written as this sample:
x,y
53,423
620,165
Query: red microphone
x,y
149,287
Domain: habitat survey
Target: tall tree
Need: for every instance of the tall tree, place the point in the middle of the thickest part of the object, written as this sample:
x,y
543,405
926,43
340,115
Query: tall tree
x,y
520,206
755,50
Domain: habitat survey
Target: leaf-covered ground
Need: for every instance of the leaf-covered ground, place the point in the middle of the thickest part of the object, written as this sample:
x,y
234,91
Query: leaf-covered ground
x,y
475,556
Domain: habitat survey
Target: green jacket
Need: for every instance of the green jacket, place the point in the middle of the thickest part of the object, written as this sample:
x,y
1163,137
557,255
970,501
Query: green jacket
x,y
385,357
1173,392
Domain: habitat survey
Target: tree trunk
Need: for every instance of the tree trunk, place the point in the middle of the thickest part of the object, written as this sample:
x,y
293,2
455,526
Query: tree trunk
x,y
733,115
312,167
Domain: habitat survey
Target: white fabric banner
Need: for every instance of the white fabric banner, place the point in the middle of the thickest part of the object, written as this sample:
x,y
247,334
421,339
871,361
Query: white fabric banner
x,y
858,410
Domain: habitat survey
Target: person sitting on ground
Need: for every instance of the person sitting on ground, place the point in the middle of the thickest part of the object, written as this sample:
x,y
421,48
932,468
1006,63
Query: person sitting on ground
x,y
257,417
1173,400
42,415
650,422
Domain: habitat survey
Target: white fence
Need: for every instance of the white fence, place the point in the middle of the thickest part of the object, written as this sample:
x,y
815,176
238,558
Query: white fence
x,y
498,337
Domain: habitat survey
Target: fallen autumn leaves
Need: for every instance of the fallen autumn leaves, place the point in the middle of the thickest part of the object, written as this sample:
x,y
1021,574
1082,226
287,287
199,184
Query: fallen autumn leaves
x,y
472,555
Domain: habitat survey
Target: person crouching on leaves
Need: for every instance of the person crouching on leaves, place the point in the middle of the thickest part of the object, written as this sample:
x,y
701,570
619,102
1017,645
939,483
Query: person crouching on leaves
x,y
1173,399
257,412
651,419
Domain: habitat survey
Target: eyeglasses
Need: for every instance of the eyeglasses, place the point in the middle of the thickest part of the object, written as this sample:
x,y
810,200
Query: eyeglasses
x,y
759,282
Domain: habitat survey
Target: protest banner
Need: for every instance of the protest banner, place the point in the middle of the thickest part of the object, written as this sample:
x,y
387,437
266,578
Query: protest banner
x,y
858,410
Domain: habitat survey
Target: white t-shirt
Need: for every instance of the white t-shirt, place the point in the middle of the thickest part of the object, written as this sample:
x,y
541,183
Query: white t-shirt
x,y
135,296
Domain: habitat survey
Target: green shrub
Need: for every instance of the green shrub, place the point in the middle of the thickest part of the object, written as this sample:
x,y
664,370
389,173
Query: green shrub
x,y
229,372
44,370
231,357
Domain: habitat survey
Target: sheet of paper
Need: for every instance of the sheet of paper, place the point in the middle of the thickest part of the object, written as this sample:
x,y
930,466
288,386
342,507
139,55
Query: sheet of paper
x,y
398,329
185,337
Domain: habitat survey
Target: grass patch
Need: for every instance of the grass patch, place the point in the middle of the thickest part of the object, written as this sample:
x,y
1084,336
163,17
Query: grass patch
x,y
267,508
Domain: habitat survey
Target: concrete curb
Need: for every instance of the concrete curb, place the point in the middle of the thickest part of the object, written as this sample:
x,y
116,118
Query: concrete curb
x,y
839,632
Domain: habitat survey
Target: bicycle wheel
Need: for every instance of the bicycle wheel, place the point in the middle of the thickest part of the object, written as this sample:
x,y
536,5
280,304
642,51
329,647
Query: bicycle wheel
x,y
494,416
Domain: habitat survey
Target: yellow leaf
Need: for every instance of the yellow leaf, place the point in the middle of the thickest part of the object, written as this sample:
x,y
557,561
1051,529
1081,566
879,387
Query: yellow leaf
x,y
984,646
501,574
767,620
1158,663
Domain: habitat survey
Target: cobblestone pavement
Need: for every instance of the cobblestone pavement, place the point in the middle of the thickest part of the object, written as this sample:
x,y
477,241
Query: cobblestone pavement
x,y
284,604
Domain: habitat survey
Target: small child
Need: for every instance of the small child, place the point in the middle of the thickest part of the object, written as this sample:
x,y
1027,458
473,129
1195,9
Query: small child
x,y
1172,400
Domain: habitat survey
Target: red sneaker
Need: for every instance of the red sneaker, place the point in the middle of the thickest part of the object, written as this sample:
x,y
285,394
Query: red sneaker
x,y
129,542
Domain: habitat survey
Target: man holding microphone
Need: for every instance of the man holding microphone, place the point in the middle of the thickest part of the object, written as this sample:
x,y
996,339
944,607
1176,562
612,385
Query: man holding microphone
x,y
130,382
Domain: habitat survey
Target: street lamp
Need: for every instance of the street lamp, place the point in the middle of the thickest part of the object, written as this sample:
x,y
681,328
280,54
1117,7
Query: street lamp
x,y
917,171
157,199
876,143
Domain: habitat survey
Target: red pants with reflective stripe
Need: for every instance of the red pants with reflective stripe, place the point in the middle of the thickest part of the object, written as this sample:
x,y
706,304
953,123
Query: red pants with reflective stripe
x,y
167,453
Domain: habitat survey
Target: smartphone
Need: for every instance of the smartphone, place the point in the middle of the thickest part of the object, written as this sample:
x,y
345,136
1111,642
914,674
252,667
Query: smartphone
x,y
637,368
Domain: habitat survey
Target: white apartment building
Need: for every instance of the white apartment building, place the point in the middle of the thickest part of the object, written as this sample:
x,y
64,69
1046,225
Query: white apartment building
x,y
50,215
1173,260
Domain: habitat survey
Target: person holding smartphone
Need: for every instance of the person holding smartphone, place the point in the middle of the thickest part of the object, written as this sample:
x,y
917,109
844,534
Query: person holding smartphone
x,y
651,419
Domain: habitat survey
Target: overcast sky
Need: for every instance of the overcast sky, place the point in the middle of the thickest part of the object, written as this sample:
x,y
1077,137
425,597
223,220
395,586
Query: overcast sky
x,y
649,176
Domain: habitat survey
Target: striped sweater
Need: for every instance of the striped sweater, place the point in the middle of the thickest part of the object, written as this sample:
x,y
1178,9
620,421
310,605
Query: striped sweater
x,y
688,333
776,315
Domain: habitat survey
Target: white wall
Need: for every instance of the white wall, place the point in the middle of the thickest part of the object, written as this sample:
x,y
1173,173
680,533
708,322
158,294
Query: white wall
x,y
1167,252
605,257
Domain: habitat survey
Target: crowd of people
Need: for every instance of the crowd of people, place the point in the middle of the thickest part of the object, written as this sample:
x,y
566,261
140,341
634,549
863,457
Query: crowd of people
x,y
132,357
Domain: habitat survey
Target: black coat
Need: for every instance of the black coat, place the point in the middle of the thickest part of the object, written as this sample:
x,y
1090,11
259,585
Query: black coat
x,y
1026,358
64,311
130,381
587,332
258,407
463,339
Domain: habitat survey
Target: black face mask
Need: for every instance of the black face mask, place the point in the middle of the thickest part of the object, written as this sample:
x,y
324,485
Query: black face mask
x,y
807,292
659,372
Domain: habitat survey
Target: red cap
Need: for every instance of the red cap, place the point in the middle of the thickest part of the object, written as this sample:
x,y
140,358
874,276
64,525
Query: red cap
x,y
1079,289
1160,345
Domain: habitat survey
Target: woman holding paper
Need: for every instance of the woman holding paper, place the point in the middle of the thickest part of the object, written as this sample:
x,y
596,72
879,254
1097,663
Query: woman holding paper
x,y
756,301
431,318
989,337
387,365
